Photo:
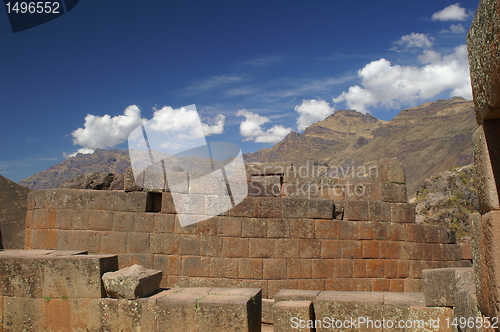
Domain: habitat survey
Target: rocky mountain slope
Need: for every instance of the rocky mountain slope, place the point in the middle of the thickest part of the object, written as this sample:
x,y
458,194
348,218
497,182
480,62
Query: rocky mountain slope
x,y
447,199
426,139
110,161
13,205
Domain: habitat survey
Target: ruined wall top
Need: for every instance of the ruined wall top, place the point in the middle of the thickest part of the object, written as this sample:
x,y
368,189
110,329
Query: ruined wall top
x,y
483,43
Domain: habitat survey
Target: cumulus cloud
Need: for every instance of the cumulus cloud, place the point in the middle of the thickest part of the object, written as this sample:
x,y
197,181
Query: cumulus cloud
x,y
412,41
185,122
451,13
384,84
251,128
101,132
312,111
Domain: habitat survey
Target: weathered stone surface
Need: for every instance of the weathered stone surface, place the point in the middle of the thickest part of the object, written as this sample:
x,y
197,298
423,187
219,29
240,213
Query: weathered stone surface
x,y
210,309
267,313
483,43
129,181
430,319
345,306
265,186
466,305
390,172
441,285
293,316
481,241
132,282
48,273
486,176
23,314
295,295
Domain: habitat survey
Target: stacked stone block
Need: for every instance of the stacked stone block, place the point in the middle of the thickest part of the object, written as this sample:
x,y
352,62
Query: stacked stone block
x,y
483,44
45,290
264,242
357,311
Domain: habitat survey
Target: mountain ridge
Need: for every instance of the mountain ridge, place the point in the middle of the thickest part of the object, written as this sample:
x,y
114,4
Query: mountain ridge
x,y
425,139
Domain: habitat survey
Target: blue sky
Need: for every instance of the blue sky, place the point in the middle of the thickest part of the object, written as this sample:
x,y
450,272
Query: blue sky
x,y
256,70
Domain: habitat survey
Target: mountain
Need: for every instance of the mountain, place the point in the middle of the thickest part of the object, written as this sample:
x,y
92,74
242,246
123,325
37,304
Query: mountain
x,y
13,205
426,140
109,161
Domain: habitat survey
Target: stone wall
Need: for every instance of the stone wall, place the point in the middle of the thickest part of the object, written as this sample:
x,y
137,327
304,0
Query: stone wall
x,y
350,242
483,43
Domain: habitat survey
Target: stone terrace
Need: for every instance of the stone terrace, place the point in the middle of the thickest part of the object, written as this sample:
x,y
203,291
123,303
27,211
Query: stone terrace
x,y
347,242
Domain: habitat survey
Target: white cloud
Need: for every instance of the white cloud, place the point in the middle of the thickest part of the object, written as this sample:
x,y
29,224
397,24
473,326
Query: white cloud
x,y
413,40
217,128
312,111
185,122
454,28
251,128
82,151
101,132
457,28
384,84
451,13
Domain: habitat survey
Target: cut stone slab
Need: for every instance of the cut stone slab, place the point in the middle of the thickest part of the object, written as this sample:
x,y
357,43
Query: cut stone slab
x,y
441,285
293,316
52,273
132,282
202,309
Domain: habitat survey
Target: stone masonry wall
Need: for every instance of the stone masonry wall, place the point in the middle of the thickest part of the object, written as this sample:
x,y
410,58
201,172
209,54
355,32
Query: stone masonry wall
x,y
366,242
483,43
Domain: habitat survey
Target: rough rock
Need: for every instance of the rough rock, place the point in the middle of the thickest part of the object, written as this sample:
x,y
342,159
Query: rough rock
x,y
96,181
447,199
132,282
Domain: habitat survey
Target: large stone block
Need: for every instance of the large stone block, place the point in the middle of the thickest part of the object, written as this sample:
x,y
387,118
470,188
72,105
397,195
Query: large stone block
x,y
320,209
210,309
466,305
483,44
356,210
265,186
394,192
390,172
487,164
293,316
269,207
348,306
403,212
76,276
131,282
44,273
441,285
